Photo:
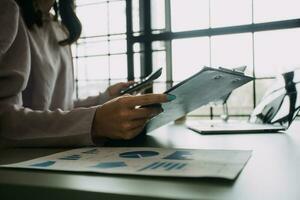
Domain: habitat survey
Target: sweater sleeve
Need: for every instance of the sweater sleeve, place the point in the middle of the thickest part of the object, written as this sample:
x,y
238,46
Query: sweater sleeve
x,y
9,17
20,126
92,100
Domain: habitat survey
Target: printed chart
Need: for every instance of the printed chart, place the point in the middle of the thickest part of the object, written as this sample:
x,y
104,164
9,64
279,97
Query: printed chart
x,y
144,161
139,154
165,166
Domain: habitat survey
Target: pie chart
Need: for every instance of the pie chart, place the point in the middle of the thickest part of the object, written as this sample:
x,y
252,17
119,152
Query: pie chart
x,y
138,154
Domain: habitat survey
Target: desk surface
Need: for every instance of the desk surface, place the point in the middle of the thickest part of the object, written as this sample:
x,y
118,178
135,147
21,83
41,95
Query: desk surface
x,y
273,171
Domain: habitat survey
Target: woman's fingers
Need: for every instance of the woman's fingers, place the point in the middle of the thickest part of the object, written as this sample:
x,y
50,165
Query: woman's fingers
x,y
133,132
124,85
142,113
115,89
130,129
123,118
146,99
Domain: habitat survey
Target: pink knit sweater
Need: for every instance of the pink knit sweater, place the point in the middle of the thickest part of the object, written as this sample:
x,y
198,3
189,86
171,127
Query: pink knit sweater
x,y
36,86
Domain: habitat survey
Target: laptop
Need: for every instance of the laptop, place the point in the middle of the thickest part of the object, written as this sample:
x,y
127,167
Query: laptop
x,y
276,111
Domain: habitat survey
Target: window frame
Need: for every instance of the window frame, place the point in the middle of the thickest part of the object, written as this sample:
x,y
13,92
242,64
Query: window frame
x,y
167,36
147,36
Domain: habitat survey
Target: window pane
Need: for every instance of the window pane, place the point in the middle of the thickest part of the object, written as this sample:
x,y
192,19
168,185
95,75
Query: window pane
x,y
88,48
261,88
75,68
91,88
158,45
240,102
159,60
117,17
117,46
159,87
158,14
86,2
203,110
230,12
189,56
232,51
100,18
118,66
189,14
94,19
271,10
137,65
93,68
135,16
276,51
137,47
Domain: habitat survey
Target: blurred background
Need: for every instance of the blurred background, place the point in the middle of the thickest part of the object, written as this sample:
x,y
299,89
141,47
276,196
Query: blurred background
x,y
128,39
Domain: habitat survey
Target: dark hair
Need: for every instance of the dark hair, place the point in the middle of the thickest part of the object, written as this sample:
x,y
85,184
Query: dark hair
x,y
62,8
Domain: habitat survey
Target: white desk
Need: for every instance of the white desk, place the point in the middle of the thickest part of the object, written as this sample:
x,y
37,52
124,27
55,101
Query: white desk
x,y
273,172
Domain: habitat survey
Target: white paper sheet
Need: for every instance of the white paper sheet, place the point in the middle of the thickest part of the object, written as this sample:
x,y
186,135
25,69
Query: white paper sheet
x,y
144,161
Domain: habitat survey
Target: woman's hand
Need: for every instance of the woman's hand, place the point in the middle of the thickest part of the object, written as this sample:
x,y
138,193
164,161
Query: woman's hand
x,y
123,118
114,90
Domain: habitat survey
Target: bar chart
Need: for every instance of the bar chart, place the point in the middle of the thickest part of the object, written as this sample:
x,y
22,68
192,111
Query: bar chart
x,y
167,166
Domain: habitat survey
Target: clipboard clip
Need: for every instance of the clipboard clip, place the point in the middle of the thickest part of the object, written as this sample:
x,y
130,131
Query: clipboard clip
x,y
239,70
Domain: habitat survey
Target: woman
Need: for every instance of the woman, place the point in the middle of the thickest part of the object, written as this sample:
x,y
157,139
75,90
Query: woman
x,y
36,83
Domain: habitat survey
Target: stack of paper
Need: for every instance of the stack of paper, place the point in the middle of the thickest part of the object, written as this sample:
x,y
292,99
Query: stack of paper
x,y
144,161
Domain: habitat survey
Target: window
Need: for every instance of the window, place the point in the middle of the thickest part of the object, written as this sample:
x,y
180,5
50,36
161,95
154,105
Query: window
x,y
189,15
190,54
128,39
100,56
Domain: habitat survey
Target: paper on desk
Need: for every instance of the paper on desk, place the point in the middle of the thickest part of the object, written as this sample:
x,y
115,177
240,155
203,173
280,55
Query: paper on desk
x,y
144,161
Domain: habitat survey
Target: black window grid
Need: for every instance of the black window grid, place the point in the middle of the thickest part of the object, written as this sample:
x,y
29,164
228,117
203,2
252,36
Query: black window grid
x,y
146,36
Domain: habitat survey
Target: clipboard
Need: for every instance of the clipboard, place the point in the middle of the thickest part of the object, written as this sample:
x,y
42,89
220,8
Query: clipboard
x,y
209,84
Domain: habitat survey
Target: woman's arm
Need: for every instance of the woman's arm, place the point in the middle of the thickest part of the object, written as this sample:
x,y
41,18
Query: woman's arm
x,y
112,92
92,100
120,118
21,126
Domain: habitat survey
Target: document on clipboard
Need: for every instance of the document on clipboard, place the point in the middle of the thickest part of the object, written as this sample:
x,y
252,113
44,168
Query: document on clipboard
x,y
209,84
